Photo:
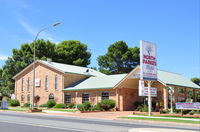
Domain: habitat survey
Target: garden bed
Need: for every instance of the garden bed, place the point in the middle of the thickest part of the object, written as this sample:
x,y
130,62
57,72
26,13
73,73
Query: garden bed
x,y
167,114
34,110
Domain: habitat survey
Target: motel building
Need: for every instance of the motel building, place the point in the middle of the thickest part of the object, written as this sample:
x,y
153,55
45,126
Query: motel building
x,y
74,84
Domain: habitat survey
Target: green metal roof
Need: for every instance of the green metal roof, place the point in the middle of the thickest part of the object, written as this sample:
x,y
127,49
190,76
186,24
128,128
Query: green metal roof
x,y
91,83
65,68
110,81
169,78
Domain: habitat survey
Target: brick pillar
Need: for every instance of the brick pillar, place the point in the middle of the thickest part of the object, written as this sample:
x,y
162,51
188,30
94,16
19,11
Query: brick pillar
x,y
165,97
175,95
194,95
117,98
186,93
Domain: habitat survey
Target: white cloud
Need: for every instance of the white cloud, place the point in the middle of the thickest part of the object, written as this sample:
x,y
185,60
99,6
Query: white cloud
x,y
33,31
3,57
30,29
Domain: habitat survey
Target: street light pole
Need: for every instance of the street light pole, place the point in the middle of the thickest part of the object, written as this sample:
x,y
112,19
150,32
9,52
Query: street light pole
x,y
34,58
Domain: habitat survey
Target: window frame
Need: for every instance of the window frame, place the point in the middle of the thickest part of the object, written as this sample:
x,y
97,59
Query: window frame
x,y
22,98
46,83
22,85
51,95
28,84
56,82
67,100
84,97
28,98
105,95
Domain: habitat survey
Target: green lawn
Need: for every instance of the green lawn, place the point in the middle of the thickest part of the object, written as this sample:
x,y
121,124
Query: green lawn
x,y
63,110
167,116
158,119
27,108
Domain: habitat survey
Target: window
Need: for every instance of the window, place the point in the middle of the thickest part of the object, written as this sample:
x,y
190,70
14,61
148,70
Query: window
x,y
28,97
22,88
22,98
85,97
28,85
68,98
46,82
104,95
181,90
51,96
56,82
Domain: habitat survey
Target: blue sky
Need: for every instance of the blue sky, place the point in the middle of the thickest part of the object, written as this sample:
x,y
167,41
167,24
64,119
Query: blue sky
x,y
174,25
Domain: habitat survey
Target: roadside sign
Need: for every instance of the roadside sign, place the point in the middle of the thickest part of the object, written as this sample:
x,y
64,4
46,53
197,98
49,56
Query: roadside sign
x,y
143,91
4,104
148,61
188,106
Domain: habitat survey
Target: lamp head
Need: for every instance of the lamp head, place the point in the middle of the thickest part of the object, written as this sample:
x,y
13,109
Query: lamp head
x,y
55,24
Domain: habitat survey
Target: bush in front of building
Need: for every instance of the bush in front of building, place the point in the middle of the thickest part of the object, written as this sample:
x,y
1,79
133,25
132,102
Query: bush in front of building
x,y
43,105
80,107
97,107
71,105
14,102
26,105
87,105
60,105
142,108
51,103
107,104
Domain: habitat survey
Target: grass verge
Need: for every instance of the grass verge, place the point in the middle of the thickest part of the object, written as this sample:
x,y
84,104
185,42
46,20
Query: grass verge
x,y
158,119
63,110
167,116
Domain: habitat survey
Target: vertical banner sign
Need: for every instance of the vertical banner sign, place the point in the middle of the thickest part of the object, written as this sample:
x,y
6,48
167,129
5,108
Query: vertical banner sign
x,y
148,63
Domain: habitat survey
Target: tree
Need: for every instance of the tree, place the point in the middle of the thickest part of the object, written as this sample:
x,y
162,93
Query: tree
x,y
119,59
73,52
68,52
196,80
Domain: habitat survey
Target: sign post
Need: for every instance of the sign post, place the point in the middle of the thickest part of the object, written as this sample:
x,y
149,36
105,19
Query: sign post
x,y
148,67
171,92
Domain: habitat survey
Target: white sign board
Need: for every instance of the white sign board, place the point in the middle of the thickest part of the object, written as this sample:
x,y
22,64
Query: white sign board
x,y
143,91
148,61
188,106
37,82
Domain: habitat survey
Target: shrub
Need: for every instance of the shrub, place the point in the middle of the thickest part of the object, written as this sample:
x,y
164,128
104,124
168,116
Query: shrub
x,y
60,106
142,108
43,105
71,105
192,112
14,102
26,105
107,104
137,103
51,103
97,107
80,107
87,105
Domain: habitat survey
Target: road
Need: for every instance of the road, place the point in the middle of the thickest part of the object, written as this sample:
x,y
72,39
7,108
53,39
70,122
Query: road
x,y
25,122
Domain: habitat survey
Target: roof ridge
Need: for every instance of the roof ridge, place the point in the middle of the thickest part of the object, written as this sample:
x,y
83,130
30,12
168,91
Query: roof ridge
x,y
170,72
65,64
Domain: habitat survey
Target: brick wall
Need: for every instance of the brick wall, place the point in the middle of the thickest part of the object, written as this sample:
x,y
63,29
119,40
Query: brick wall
x,y
40,72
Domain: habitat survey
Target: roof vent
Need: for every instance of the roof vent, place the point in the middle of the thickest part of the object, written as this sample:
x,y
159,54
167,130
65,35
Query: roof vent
x,y
49,60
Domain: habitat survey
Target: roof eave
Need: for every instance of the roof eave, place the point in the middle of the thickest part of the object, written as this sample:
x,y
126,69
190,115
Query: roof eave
x,y
87,89
32,64
182,86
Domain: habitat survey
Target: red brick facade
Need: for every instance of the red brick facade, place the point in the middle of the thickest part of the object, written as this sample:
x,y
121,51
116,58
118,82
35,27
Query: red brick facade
x,y
125,93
